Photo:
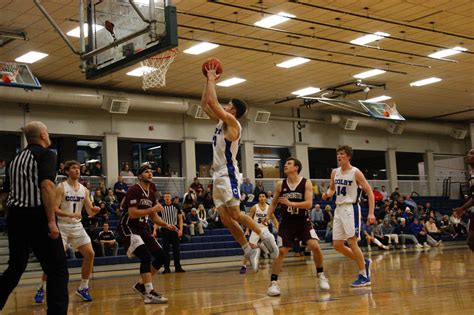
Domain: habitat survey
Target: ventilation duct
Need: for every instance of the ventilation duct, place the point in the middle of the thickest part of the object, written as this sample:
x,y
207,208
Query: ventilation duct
x,y
395,129
458,134
196,111
258,115
116,105
349,124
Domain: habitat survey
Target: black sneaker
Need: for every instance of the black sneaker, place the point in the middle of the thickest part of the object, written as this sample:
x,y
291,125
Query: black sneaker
x,y
140,289
167,270
179,270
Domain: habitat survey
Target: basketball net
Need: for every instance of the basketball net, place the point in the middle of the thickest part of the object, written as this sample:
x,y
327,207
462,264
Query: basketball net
x,y
155,68
391,108
8,72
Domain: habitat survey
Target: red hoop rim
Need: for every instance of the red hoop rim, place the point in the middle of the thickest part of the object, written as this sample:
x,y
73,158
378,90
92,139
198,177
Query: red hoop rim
x,y
172,52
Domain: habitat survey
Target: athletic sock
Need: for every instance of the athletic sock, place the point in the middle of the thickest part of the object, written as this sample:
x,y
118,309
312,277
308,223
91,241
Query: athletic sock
x,y
319,270
363,272
84,284
274,277
148,287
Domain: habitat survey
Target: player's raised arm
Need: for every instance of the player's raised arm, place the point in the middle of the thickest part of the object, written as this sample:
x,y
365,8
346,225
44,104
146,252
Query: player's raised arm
x,y
362,182
205,106
332,187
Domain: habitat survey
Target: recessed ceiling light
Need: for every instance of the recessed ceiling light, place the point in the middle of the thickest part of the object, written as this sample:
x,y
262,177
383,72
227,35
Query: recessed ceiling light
x,y
306,91
76,31
200,48
369,38
447,52
231,81
369,73
138,72
31,57
273,20
378,99
293,62
425,81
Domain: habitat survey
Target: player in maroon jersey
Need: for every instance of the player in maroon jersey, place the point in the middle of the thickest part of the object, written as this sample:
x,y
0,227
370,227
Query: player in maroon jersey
x,y
470,202
135,235
295,196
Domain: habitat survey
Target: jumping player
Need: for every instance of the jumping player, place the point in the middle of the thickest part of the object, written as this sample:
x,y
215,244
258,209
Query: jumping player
x,y
259,213
226,175
71,196
459,211
136,236
295,196
345,183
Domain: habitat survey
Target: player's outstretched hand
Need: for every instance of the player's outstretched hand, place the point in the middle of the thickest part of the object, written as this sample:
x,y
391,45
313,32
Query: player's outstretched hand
x,y
172,228
284,201
325,196
95,209
371,219
211,71
53,230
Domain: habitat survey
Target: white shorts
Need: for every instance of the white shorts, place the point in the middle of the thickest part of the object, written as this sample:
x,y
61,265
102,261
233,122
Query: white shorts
x,y
74,234
346,222
226,188
254,237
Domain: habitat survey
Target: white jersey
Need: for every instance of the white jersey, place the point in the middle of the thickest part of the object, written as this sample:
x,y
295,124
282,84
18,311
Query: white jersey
x,y
225,151
72,201
261,215
347,190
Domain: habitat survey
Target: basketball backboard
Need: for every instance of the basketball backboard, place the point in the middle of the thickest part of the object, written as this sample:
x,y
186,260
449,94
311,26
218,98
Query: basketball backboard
x,y
121,33
17,75
381,111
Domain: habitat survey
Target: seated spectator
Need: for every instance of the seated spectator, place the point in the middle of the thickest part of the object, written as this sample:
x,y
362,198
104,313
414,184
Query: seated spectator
x,y
408,215
97,169
258,173
158,172
202,215
317,217
317,190
383,212
409,202
111,201
108,241
384,193
328,215
367,233
197,187
98,197
389,232
258,188
176,202
193,222
419,211
93,232
433,230
458,227
189,200
243,200
378,197
395,196
246,187
103,189
61,171
208,201
406,234
126,171
213,218
85,171
104,212
270,197
120,189
419,231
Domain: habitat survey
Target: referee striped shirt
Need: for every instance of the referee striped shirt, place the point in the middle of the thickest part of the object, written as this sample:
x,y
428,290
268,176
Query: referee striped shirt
x,y
25,173
170,214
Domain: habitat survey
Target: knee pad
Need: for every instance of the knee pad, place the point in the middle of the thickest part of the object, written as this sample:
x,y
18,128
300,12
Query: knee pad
x,y
144,255
159,260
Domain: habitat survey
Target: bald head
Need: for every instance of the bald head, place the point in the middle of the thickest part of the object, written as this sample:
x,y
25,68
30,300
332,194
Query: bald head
x,y
37,133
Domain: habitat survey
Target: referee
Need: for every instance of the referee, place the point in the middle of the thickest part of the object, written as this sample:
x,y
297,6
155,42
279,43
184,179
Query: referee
x,y
171,215
31,219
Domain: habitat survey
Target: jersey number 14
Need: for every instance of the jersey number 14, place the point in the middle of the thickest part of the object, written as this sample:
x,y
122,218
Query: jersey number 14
x,y
341,190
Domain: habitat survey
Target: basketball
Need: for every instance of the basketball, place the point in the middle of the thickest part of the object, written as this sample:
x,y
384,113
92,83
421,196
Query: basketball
x,y
386,114
210,61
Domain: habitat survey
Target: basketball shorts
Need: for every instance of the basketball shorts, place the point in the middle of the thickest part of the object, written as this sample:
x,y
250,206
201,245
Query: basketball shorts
x,y
74,234
346,222
133,241
226,187
254,237
295,229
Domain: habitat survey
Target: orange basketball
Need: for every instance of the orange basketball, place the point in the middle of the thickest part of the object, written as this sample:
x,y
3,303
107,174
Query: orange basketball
x,y
386,114
215,61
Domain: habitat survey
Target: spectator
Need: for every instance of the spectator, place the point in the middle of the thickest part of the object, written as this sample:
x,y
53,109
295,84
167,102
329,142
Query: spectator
x,y
433,230
258,173
158,172
395,196
104,211
406,234
323,187
2,167
120,189
194,223
202,215
317,190
408,215
243,200
97,169
103,189
378,197
419,211
418,230
388,231
246,187
409,202
367,233
93,232
111,201
107,241
177,202
208,201
213,218
317,217
384,193
98,197
455,221
328,215
383,213
197,187
61,171
85,171
258,188
189,200
270,197
126,171
168,170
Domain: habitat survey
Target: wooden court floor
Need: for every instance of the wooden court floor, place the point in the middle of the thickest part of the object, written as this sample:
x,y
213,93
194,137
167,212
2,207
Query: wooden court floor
x,y
439,281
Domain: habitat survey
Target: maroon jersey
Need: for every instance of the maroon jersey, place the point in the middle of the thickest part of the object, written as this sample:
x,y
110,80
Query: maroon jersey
x,y
296,195
136,197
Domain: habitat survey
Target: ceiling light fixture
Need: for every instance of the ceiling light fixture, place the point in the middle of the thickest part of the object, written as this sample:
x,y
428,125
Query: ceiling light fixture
x,y
231,81
368,74
378,99
306,91
293,62
31,57
76,31
447,52
425,81
200,48
369,38
273,20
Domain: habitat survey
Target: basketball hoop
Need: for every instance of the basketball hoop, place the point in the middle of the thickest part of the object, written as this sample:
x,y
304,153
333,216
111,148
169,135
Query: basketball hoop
x,y
8,72
155,68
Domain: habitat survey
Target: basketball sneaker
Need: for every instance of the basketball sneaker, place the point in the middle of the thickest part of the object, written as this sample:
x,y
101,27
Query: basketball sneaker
x,y
360,282
140,289
323,282
268,240
84,294
243,270
253,256
154,298
273,289
368,263
39,296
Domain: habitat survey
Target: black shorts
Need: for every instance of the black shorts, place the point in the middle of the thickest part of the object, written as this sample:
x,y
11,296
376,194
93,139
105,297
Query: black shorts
x,y
295,229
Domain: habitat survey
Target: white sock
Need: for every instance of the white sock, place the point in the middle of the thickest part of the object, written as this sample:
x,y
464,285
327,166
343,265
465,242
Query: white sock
x,y
148,287
377,242
84,284
362,272
246,248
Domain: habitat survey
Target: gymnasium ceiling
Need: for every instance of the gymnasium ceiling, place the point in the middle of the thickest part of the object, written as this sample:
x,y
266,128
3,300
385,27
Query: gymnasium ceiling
x,y
417,28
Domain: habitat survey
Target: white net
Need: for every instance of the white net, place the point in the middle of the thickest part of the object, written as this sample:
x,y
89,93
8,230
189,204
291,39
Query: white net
x,y
8,72
155,68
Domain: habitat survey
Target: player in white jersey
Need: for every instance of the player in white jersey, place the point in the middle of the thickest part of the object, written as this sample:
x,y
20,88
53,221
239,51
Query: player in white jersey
x,y
71,197
259,213
345,183
226,175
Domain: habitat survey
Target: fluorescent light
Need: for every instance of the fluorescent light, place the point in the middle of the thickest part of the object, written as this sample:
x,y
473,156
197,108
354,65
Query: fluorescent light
x,y
200,48
369,38
292,62
378,99
306,91
425,81
273,20
447,52
138,72
31,57
231,81
76,31
369,73
154,148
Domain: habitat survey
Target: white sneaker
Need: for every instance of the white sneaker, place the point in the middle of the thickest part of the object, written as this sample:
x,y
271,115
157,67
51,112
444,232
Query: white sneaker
x,y
369,248
253,255
439,242
269,242
404,246
385,247
418,245
426,246
323,282
154,298
273,289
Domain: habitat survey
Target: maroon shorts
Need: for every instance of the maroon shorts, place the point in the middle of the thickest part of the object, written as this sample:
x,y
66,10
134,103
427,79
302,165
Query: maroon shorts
x,y
150,242
295,229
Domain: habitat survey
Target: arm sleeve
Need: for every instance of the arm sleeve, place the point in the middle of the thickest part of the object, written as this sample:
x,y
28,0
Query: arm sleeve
x,y
47,166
